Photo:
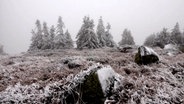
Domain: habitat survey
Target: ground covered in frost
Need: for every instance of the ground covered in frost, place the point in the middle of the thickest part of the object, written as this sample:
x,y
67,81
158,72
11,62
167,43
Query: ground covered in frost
x,y
33,77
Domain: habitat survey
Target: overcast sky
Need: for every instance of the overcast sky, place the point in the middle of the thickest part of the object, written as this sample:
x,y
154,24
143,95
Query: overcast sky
x,y
142,17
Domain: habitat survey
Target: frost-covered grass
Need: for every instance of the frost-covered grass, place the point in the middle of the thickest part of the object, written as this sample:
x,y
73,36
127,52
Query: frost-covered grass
x,y
35,75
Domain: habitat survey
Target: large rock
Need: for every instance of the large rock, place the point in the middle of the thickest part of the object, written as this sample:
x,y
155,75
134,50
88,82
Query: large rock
x,y
171,49
93,86
181,48
91,90
87,90
146,55
86,87
107,77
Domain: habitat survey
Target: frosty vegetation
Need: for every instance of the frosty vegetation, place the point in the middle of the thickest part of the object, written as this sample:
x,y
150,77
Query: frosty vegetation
x,y
104,36
127,38
47,77
53,38
86,36
165,37
97,72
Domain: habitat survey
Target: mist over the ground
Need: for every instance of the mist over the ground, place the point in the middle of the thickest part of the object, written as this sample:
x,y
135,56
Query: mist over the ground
x,y
142,17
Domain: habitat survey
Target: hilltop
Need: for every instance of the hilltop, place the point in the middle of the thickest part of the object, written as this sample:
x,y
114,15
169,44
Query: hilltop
x,y
27,77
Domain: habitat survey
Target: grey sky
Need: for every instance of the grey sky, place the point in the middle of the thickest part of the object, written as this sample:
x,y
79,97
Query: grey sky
x,y
142,17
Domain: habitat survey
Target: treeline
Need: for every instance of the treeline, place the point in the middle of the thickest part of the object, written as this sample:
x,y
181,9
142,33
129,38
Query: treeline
x,y
56,38
1,49
53,38
44,37
160,39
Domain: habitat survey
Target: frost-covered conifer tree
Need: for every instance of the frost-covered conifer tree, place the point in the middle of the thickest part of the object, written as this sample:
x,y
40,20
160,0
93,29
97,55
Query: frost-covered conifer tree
x,y
46,37
1,49
109,38
150,40
86,38
69,41
52,36
37,38
60,38
182,38
176,36
127,38
162,38
101,33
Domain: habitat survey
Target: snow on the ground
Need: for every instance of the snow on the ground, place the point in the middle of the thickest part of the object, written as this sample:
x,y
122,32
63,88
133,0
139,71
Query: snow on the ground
x,y
21,94
36,76
170,47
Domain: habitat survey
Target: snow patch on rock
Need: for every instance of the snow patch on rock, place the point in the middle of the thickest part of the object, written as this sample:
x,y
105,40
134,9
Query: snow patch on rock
x,y
107,77
147,51
170,47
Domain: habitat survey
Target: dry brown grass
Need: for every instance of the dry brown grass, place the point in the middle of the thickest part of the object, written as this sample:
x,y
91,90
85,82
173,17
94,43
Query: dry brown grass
x,y
139,81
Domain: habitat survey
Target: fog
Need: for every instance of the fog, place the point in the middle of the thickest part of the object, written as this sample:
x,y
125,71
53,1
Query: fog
x,y
142,17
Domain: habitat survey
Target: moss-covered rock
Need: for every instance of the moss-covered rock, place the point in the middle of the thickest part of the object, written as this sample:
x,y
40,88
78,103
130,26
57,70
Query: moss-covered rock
x,y
91,91
149,59
138,58
181,48
145,56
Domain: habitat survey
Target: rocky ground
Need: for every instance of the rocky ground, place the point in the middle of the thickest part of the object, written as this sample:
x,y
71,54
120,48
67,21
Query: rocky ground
x,y
33,77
